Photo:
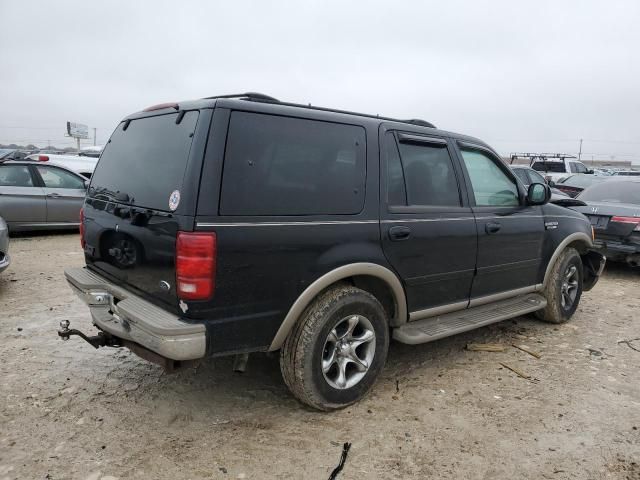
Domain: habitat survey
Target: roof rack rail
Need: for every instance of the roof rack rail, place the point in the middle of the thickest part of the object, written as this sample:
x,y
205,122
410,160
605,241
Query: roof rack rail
x,y
544,157
260,97
249,95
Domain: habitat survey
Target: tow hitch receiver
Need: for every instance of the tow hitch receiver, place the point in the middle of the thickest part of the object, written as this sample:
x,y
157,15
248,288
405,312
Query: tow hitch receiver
x,y
96,341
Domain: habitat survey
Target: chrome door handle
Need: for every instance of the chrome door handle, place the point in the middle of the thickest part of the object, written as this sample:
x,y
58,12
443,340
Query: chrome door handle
x,y
53,195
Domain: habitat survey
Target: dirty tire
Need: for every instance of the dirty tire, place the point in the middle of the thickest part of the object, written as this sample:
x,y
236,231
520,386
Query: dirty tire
x,y
301,357
555,311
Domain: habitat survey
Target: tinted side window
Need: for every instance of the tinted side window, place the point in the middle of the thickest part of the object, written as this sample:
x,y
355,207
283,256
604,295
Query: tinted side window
x,y
15,176
491,186
396,191
580,168
56,178
429,174
286,166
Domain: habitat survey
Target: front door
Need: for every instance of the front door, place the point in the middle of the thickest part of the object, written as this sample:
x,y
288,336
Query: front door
x,y
427,227
510,232
65,193
21,201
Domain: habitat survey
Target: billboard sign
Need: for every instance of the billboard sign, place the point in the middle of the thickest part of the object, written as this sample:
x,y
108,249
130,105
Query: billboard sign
x,y
77,130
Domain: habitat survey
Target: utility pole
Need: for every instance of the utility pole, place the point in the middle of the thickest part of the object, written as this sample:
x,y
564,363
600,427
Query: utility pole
x,y
94,136
580,152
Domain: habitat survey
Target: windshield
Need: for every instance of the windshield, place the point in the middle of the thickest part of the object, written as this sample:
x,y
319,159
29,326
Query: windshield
x,y
4,152
144,164
612,192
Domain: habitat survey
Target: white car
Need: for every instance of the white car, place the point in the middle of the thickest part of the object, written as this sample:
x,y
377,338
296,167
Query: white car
x,y
82,165
557,169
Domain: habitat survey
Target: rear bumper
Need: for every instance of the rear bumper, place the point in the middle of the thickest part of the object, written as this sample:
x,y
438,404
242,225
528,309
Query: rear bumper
x,y
618,251
122,314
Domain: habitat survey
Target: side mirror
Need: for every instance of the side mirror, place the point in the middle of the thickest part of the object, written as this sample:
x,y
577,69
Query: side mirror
x,y
538,194
86,184
551,183
590,172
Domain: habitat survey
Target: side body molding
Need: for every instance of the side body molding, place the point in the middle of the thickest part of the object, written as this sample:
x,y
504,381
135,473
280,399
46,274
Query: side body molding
x,y
574,237
340,273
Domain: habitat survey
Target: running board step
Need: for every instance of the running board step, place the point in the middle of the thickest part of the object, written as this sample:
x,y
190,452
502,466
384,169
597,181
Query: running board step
x,y
434,328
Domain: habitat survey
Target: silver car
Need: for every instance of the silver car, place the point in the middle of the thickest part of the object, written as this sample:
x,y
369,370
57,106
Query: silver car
x,y
4,245
39,196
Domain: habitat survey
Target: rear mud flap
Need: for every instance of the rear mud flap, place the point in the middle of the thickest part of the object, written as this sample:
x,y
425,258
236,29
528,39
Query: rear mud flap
x,y
593,263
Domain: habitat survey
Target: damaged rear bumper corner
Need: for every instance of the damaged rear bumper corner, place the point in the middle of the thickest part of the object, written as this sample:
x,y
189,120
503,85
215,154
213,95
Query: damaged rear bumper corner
x,y
126,316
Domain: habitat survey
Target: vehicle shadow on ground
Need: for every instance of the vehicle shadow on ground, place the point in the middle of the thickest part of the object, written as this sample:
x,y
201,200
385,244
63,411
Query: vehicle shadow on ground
x,y
215,391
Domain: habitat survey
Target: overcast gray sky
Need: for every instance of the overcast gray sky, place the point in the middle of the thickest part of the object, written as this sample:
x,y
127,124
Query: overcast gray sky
x,y
525,76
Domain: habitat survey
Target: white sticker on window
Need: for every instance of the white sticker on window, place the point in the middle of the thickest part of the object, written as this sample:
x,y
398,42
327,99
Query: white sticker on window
x,y
174,200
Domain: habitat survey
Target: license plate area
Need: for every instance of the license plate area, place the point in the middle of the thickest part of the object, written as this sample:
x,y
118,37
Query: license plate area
x,y
599,222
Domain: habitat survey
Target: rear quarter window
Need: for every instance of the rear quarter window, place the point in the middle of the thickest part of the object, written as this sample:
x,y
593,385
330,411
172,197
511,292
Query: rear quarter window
x,y
289,166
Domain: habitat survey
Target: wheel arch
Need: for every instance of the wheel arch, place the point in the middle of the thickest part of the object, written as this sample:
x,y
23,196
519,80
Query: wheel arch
x,y
371,277
578,240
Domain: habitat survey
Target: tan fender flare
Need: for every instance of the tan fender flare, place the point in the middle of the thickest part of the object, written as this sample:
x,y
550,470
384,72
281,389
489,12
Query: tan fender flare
x,y
574,237
328,279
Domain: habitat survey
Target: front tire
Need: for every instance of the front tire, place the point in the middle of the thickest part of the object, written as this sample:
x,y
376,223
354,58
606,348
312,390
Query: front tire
x,y
563,289
337,349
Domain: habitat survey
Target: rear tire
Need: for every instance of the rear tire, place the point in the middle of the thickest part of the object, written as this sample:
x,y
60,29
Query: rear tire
x,y
563,289
337,349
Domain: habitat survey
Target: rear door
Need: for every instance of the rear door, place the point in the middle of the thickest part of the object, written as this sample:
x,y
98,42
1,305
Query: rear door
x,y
142,193
64,193
21,201
427,227
510,233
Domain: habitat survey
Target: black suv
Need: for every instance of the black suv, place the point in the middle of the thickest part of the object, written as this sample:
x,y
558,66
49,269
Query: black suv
x,y
241,224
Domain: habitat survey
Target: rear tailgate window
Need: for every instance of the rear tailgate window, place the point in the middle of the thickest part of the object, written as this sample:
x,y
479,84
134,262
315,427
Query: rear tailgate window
x,y
145,163
555,167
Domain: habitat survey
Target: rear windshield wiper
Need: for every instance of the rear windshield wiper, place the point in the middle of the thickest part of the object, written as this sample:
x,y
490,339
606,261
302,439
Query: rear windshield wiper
x,y
120,197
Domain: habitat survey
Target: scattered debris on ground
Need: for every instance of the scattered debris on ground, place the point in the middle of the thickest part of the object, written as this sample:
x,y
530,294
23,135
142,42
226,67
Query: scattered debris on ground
x,y
486,347
343,458
526,349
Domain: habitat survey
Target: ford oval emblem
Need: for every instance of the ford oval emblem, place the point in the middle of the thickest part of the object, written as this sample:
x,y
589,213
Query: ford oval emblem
x,y
164,286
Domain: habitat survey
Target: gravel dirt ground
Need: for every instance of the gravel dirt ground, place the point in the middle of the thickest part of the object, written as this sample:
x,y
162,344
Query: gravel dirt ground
x,y
68,411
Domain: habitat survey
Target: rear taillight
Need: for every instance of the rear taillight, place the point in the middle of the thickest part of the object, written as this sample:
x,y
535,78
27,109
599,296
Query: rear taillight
x,y
196,265
43,158
634,220
82,242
